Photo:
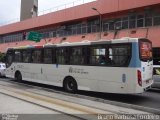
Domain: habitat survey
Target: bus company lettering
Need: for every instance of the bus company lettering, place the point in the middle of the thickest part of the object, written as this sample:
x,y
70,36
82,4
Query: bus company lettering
x,y
20,66
77,70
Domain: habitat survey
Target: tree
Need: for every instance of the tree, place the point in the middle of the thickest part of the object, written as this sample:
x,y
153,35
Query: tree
x,y
2,57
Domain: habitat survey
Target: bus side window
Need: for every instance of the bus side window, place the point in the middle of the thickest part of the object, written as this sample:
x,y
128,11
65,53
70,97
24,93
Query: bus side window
x,y
76,56
120,55
101,60
97,55
62,56
27,56
18,56
36,56
48,56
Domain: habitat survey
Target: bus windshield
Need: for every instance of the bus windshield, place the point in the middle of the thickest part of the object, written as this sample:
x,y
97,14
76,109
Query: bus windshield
x,y
145,50
9,57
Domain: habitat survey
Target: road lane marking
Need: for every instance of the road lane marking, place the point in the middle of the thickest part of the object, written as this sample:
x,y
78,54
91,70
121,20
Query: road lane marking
x,y
76,107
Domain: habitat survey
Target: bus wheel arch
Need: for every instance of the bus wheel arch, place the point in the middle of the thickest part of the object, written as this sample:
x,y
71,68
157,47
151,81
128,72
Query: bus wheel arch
x,y
18,76
70,84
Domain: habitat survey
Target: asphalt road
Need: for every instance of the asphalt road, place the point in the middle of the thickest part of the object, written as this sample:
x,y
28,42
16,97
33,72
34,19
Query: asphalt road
x,y
150,98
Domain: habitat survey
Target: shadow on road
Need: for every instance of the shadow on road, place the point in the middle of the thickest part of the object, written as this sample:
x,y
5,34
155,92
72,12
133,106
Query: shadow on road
x,y
125,98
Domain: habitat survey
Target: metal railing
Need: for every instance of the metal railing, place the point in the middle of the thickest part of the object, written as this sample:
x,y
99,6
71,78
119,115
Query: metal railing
x,y
54,9
64,6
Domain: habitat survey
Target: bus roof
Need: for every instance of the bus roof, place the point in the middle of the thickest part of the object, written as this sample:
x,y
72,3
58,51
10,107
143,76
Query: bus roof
x,y
102,41
85,42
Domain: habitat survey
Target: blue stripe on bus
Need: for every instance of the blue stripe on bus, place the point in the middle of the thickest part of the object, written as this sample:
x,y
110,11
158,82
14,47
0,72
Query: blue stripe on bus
x,y
135,61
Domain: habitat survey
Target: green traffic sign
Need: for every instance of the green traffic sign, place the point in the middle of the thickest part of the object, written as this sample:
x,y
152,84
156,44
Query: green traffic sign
x,y
34,36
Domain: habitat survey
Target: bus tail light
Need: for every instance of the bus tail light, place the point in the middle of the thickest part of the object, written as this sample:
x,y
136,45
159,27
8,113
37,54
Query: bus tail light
x,y
139,76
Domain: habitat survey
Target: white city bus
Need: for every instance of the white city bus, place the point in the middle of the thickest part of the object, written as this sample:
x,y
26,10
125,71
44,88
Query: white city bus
x,y
116,66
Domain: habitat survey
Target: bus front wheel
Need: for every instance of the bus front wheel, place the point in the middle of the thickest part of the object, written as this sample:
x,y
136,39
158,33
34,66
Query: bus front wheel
x,y
70,85
18,77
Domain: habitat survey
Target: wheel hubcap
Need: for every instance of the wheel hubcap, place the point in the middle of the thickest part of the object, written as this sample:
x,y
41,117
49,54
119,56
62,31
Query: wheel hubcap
x,y
70,85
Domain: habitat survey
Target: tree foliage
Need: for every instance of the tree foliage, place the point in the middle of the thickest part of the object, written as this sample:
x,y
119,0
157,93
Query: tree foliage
x,y
2,57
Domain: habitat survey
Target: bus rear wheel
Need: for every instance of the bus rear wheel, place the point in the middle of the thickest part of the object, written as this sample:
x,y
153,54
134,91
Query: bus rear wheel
x,y
18,77
70,85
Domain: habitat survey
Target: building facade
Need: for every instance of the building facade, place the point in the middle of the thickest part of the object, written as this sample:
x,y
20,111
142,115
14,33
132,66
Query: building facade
x,y
112,19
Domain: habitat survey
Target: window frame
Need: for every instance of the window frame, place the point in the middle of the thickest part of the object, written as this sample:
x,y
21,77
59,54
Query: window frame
x,y
110,46
81,56
20,55
11,53
66,56
26,50
41,57
53,61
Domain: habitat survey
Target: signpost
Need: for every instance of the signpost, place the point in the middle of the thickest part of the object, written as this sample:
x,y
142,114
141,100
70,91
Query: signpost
x,y
34,36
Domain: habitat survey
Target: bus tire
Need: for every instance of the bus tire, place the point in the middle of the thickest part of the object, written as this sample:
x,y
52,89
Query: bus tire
x,y
70,85
18,76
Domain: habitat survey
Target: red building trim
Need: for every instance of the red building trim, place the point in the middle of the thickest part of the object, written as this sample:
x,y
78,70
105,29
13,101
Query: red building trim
x,y
76,13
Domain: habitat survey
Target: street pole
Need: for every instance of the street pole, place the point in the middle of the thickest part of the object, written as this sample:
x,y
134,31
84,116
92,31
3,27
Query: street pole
x,y
100,20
